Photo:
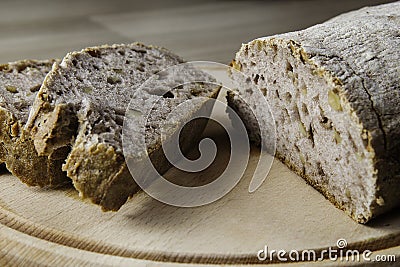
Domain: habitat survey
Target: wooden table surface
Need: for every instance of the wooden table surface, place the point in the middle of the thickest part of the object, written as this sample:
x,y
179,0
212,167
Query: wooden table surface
x,y
196,30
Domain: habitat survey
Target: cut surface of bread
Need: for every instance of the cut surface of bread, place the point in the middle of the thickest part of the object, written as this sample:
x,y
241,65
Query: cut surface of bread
x,y
19,83
334,91
82,104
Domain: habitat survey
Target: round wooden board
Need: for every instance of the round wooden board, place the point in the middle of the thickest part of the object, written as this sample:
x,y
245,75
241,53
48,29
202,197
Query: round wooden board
x,y
54,227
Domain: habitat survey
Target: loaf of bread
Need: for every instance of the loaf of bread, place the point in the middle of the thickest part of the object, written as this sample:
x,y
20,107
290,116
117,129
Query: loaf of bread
x,y
334,91
82,104
19,83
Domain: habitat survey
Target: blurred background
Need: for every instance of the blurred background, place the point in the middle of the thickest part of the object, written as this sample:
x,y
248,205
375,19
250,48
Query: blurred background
x,y
196,30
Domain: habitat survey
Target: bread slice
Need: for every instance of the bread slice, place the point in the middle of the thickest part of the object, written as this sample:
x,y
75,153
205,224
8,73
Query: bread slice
x,y
19,83
334,91
82,104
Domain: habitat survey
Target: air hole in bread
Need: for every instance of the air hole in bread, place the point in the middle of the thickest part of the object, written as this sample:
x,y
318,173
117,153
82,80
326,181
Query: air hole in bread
x,y
311,134
142,51
168,94
304,109
113,79
35,88
286,115
277,94
21,67
119,120
256,79
94,53
295,113
297,148
353,144
289,67
288,97
320,169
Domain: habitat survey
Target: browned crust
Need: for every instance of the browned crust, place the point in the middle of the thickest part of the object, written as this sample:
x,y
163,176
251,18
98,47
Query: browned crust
x,y
22,160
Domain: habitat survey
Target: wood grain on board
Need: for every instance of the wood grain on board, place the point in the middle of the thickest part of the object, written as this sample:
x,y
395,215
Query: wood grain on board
x,y
54,227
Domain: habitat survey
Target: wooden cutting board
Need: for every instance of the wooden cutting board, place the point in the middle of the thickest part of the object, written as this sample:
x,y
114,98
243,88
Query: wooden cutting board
x,y
54,227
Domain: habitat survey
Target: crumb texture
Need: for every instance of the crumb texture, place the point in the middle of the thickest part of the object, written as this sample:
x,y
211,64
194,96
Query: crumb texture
x,y
82,105
334,92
